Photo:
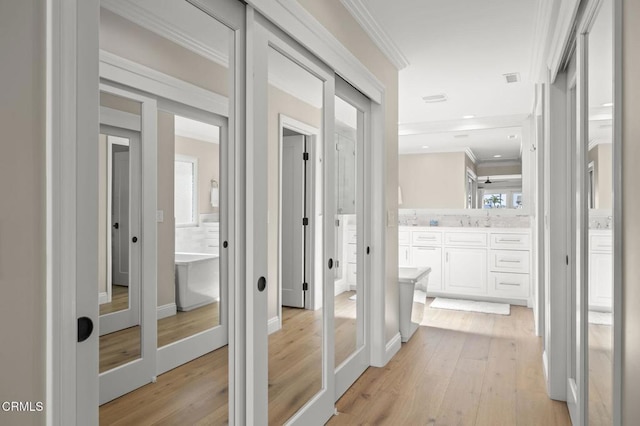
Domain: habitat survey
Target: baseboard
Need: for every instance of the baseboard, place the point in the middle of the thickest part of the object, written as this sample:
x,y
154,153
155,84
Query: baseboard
x,y
545,366
274,325
167,310
392,347
103,298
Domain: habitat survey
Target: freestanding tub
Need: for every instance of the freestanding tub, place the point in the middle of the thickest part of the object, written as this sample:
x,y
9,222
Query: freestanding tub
x,y
413,297
197,280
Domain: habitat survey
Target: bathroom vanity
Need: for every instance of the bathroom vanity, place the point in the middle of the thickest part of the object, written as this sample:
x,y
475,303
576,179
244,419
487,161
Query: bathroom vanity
x,y
475,263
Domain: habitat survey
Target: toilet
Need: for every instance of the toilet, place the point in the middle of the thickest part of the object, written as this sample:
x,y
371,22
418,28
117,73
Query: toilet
x,y
413,297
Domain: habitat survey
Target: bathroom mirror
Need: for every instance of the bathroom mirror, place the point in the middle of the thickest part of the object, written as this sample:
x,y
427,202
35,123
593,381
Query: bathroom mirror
x,y
462,169
119,222
295,277
599,181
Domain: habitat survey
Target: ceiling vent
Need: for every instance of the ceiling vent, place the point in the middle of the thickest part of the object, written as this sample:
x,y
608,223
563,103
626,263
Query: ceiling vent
x,y
513,77
432,99
461,136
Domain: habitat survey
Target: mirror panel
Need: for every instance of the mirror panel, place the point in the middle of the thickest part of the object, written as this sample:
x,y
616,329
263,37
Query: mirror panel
x,y
119,221
599,194
295,315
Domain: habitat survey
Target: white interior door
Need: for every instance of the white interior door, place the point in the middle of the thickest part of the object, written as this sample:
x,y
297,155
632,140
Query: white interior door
x,y
293,230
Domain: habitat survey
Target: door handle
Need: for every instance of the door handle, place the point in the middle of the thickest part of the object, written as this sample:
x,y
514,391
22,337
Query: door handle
x,y
116,225
262,283
85,328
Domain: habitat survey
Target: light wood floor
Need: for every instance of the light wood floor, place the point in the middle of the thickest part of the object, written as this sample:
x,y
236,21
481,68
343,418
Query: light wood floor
x,y
123,346
119,300
600,375
459,368
345,326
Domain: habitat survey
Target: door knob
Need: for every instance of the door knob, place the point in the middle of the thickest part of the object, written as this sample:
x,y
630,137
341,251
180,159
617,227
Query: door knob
x,y
85,328
116,225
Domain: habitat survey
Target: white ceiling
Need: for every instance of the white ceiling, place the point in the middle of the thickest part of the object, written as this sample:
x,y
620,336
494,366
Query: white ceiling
x,y
461,48
198,130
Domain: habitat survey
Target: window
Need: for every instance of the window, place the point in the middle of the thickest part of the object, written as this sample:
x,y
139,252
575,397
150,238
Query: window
x,y
494,201
185,191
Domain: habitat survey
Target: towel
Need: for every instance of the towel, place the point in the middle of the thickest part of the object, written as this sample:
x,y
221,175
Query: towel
x,y
214,197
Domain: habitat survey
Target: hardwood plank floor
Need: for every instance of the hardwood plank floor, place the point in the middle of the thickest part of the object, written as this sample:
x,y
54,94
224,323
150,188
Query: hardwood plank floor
x,y
123,346
460,368
119,300
600,375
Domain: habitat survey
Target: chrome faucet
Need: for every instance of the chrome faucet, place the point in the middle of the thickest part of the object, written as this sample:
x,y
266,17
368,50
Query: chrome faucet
x,y
461,224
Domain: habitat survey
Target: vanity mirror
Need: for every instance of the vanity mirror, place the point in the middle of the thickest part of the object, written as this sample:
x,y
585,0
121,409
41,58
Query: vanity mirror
x,y
480,168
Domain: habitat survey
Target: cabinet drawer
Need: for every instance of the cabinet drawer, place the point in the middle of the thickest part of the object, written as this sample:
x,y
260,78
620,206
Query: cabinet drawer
x,y
510,241
426,238
600,243
211,242
464,239
351,253
509,261
404,237
509,285
352,237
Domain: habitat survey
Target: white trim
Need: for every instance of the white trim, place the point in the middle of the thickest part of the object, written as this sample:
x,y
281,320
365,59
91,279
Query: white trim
x,y
168,310
147,19
306,29
564,24
274,324
595,142
129,73
121,119
392,347
378,35
471,155
541,35
103,297
545,365
194,194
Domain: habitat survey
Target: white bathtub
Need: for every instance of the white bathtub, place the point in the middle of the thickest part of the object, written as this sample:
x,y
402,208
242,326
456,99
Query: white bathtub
x,y
197,280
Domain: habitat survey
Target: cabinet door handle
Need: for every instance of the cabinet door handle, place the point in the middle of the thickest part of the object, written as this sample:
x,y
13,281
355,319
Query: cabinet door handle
x,y
447,256
513,284
508,261
426,248
464,241
509,240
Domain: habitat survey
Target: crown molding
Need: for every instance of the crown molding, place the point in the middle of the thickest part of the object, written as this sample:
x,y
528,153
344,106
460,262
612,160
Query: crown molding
x,y
152,22
378,35
561,35
471,155
540,38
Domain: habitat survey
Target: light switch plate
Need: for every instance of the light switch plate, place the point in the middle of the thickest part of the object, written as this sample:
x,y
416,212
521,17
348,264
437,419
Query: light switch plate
x,y
160,216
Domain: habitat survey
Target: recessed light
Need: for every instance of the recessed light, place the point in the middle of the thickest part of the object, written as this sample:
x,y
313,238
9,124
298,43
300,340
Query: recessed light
x,y
425,146
468,116
512,137
497,156
608,104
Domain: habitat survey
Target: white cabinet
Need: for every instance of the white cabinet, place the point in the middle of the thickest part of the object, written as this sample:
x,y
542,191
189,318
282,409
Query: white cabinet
x,y
429,257
600,270
465,270
509,261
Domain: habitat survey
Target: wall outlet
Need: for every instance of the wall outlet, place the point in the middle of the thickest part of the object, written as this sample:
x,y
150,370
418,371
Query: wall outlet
x,y
160,216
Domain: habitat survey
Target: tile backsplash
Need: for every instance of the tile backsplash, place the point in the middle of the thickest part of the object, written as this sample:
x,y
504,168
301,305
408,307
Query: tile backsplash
x,y
478,219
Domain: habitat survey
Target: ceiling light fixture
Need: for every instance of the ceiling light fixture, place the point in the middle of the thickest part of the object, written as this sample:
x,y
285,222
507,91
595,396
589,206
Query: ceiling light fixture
x,y
431,99
488,181
425,146
497,156
608,104
468,116
512,137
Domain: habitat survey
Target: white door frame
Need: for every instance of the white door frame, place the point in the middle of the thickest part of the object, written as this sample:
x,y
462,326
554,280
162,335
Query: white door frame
x,y
312,133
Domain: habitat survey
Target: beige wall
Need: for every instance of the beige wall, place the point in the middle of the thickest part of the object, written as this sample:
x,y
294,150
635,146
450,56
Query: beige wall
x,y
208,155
166,229
497,170
123,38
333,15
280,103
631,206
22,212
433,180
